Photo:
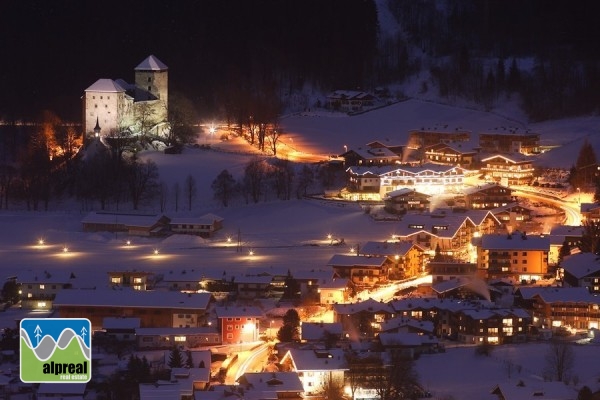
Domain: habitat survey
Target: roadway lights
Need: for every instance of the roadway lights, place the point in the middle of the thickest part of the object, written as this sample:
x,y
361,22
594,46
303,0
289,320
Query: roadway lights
x,y
128,243
251,252
228,239
155,252
41,242
65,249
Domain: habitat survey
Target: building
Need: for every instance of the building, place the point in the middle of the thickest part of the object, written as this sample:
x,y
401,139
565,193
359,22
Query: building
x,y
590,212
362,319
316,368
446,270
204,226
132,224
516,255
350,100
407,258
450,154
371,156
153,308
137,280
334,290
239,324
110,106
582,270
495,326
425,137
38,291
508,170
271,385
402,200
166,338
510,141
122,329
319,332
361,271
488,196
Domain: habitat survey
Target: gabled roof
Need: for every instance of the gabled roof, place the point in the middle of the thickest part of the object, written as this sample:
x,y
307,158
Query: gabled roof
x,y
370,305
405,339
581,264
446,225
559,295
387,248
405,192
151,63
105,86
515,241
483,188
108,218
206,219
567,230
316,330
234,311
271,382
399,322
512,158
317,360
334,284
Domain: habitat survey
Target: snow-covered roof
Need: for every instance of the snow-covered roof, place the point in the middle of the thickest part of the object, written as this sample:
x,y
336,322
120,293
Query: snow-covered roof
x,y
387,248
446,225
404,339
581,264
108,218
399,322
271,382
316,330
532,391
369,305
120,323
430,303
481,188
105,86
60,388
317,360
404,192
376,153
151,63
567,230
206,219
515,241
514,158
235,311
343,260
45,277
132,298
333,284
177,331
559,295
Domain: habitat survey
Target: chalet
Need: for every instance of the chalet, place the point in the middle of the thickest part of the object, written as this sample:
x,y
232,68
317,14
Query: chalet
x,y
204,226
252,286
425,137
316,368
137,280
509,140
122,329
450,154
462,288
535,391
407,258
554,307
239,324
516,255
38,290
508,170
582,270
166,338
362,319
488,196
402,200
350,100
334,290
271,385
590,212
153,308
133,224
311,281
495,326
184,280
514,216
568,233
370,157
361,271
408,325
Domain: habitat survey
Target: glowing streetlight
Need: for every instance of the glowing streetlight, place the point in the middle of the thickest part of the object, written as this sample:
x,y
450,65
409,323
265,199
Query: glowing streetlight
x,y
128,243
228,239
251,252
65,249
352,250
155,252
345,149
41,242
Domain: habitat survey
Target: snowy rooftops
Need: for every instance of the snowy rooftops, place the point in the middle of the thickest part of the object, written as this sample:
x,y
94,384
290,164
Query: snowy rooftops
x,y
317,359
133,298
140,220
151,63
106,86
559,295
387,248
229,312
271,382
370,305
120,323
515,241
581,264
206,219
342,260
316,330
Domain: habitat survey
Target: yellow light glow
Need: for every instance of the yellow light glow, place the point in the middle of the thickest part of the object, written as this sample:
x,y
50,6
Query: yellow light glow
x,y
156,252
251,252
65,249
41,242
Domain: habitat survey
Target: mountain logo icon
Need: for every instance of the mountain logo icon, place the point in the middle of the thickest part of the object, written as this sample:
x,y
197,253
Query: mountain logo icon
x,y
55,350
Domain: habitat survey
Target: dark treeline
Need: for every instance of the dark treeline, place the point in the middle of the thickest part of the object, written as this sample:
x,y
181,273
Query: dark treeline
x,y
52,51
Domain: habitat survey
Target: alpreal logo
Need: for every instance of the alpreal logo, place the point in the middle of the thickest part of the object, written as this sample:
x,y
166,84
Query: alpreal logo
x,y
56,350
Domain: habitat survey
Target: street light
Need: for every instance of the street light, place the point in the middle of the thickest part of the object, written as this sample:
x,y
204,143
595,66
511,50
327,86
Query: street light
x,y
345,149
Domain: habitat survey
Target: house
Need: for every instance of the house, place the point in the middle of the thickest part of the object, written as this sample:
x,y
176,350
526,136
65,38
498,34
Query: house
x,y
425,137
362,319
239,324
184,280
590,212
349,100
361,271
316,368
310,282
447,270
132,224
334,290
253,286
494,326
582,270
402,200
164,338
464,287
534,391
204,226
271,385
153,308
122,329
408,325
66,391
516,255
508,170
407,344
487,197
371,156
319,331
510,140
450,154
38,290
513,216
137,280
554,307
406,258
569,233
110,105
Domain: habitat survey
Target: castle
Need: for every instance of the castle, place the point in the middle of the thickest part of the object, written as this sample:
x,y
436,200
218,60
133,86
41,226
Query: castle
x,y
114,105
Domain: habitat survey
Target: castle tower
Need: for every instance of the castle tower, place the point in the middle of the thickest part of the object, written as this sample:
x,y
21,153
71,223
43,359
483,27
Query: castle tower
x,y
152,81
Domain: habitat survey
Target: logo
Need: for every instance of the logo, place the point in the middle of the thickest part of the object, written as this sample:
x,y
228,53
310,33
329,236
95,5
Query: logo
x,y
56,350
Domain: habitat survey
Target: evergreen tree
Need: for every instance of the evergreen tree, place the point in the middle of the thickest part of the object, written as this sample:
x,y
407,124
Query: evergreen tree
x,y
584,171
175,358
189,361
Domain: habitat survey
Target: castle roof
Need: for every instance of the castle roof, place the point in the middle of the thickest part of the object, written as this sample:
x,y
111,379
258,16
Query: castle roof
x,y
105,85
151,63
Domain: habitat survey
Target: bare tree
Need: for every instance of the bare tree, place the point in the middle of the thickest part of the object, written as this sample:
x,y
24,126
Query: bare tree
x,y
142,180
163,196
144,115
560,359
282,174
305,179
190,190
273,136
182,117
254,175
224,187
176,195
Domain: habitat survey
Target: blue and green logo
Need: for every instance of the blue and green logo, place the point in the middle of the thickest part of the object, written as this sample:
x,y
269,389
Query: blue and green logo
x,y
56,350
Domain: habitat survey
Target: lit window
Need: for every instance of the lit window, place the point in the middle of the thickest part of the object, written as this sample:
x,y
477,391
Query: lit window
x,y
41,304
179,338
42,286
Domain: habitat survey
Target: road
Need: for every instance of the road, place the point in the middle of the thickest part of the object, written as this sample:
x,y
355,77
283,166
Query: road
x,y
386,293
571,209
